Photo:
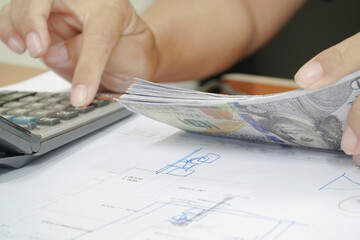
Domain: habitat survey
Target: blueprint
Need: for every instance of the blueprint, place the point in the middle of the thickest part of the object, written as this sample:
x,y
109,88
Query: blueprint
x,y
141,179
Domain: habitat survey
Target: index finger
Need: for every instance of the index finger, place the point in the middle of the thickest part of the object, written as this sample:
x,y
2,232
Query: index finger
x,y
100,34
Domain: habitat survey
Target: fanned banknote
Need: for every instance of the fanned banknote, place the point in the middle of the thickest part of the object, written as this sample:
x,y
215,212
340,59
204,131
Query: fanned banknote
x,y
313,119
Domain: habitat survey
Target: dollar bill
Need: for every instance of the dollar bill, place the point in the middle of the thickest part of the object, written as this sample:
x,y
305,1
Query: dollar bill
x,y
313,119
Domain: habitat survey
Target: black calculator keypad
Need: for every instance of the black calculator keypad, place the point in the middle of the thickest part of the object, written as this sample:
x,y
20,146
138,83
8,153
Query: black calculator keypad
x,y
33,110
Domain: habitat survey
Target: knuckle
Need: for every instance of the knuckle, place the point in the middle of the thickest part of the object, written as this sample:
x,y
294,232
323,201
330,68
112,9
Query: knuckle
x,y
335,55
28,15
6,26
3,14
341,58
104,39
116,6
22,22
27,18
107,35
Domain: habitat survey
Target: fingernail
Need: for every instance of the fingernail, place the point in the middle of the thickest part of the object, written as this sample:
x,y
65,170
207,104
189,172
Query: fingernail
x,y
57,54
79,95
349,141
16,45
33,44
309,74
356,159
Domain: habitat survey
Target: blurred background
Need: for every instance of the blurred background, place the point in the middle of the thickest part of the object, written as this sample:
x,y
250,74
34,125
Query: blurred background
x,y
317,26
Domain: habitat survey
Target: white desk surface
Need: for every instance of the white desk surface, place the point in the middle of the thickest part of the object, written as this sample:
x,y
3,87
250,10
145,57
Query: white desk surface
x,y
140,179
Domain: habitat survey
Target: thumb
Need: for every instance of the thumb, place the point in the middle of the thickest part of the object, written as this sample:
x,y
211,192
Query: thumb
x,y
330,65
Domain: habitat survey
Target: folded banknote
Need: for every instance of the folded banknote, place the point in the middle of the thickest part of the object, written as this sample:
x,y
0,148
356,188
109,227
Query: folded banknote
x,y
306,118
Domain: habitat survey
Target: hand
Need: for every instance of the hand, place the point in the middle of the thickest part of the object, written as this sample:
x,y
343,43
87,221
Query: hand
x,y
328,67
91,43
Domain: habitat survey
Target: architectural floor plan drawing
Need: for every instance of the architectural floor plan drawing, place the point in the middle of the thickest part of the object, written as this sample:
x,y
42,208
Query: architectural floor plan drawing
x,y
152,181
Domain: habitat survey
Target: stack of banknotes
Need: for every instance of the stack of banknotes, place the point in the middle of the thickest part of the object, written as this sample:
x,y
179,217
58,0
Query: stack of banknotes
x,y
313,119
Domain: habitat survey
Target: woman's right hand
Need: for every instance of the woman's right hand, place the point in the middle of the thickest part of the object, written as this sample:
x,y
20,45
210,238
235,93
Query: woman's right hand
x,y
91,43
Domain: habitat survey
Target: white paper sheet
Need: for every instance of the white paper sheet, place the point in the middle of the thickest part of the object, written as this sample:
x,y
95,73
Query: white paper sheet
x,y
46,82
140,179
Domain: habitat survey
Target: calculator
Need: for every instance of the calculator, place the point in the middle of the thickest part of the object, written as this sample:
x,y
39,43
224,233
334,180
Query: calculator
x,y
34,123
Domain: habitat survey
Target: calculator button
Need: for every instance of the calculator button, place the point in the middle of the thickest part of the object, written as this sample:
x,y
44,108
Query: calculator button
x,y
52,100
83,109
13,105
44,94
6,92
19,111
58,106
15,96
100,103
3,110
35,105
63,95
65,115
30,99
66,101
24,120
48,121
40,113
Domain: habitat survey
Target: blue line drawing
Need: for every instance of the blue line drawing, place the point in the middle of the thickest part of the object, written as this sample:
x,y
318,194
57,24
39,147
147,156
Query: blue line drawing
x,y
187,217
343,182
193,214
185,166
261,227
